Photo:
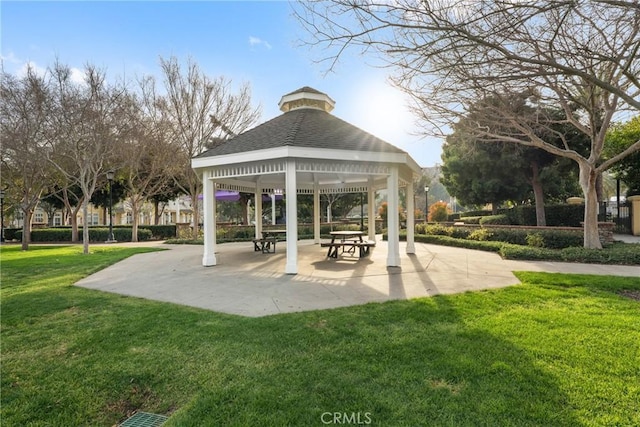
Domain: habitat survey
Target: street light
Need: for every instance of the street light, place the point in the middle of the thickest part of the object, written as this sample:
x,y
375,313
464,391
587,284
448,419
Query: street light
x,y
110,176
1,215
426,204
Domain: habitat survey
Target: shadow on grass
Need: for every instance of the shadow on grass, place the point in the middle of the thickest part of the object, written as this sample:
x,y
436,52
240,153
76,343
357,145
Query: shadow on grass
x,y
414,363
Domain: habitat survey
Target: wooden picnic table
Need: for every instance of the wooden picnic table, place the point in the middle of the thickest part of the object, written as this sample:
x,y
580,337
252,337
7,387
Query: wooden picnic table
x,y
267,243
349,240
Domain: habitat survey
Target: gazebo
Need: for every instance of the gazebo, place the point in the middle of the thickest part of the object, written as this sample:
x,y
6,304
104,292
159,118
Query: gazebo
x,y
307,150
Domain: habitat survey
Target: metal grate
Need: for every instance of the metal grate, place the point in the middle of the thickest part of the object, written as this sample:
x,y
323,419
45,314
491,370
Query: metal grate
x,y
144,419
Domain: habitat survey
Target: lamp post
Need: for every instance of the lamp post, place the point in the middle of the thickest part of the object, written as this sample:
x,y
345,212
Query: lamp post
x,y
1,215
426,204
110,176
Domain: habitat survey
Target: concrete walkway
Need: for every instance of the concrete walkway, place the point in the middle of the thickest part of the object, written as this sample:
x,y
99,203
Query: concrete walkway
x,y
253,284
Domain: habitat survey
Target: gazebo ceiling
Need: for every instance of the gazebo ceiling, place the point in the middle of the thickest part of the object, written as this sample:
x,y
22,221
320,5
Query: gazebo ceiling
x,y
329,151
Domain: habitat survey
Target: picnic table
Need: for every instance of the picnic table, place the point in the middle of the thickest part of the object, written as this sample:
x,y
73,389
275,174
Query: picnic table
x,y
267,243
347,241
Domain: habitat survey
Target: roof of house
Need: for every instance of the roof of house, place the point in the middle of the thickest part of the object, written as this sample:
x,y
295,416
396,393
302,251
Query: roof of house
x,y
303,127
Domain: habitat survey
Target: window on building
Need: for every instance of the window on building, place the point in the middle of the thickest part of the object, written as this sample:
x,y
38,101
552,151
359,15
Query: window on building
x,y
38,217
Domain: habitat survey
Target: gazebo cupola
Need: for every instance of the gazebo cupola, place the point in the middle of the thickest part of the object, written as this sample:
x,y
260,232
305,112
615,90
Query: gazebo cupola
x,y
306,97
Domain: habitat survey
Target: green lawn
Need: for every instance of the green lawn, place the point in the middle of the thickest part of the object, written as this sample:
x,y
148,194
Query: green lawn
x,y
558,350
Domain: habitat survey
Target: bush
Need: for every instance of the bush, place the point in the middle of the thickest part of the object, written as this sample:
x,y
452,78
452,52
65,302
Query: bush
x,y
470,219
556,215
438,212
618,254
501,219
536,240
438,230
553,239
10,233
96,234
481,234
160,232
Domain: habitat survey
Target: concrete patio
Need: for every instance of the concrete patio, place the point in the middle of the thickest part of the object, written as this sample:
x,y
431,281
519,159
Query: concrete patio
x,y
252,284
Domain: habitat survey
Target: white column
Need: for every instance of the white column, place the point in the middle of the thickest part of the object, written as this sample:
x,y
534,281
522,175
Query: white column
x,y
411,222
273,209
258,211
371,208
316,214
291,193
393,255
209,204
178,210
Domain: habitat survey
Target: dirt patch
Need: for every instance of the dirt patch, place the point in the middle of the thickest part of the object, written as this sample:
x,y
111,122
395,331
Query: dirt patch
x,y
630,294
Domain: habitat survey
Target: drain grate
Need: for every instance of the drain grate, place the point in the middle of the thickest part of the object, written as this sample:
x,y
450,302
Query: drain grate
x,y
144,419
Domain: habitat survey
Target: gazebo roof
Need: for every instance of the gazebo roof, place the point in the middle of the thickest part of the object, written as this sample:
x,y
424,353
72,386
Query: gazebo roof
x,y
328,151
304,127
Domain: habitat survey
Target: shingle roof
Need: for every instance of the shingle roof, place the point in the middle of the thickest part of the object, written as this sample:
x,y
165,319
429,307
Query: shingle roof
x,y
306,89
304,127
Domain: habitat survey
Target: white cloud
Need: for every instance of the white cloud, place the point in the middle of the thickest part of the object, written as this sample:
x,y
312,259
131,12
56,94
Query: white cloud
x,y
77,75
40,71
256,41
11,58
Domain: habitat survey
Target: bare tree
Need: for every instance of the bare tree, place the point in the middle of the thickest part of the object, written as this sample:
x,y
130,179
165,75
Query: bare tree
x,y
200,109
449,54
146,155
84,130
23,111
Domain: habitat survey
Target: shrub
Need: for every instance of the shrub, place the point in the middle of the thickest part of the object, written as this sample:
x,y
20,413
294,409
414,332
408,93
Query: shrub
x,y
438,230
619,254
160,232
10,233
536,240
501,219
438,212
470,219
481,234
96,234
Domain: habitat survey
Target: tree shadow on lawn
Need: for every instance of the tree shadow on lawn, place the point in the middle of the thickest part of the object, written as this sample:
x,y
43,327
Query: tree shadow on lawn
x,y
397,363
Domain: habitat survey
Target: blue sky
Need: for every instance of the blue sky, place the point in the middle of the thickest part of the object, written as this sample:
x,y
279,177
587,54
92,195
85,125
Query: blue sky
x,y
255,42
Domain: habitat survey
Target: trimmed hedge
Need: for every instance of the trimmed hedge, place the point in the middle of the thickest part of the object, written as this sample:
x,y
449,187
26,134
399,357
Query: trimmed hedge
x,y
501,219
553,239
96,234
616,254
11,234
556,215
471,219
159,232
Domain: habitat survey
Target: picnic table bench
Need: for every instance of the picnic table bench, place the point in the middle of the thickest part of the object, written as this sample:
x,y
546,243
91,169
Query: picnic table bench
x,y
265,245
348,246
348,241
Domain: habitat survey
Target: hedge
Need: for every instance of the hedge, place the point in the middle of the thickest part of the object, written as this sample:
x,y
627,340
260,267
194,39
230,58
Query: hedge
x,y
96,234
617,253
501,219
556,215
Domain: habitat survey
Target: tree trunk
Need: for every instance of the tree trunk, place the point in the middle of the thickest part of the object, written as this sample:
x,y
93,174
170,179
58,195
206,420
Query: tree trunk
x,y
588,179
74,225
156,212
134,219
85,227
494,208
26,228
538,194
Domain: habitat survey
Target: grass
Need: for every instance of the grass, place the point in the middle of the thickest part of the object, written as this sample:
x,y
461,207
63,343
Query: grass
x,y
557,350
